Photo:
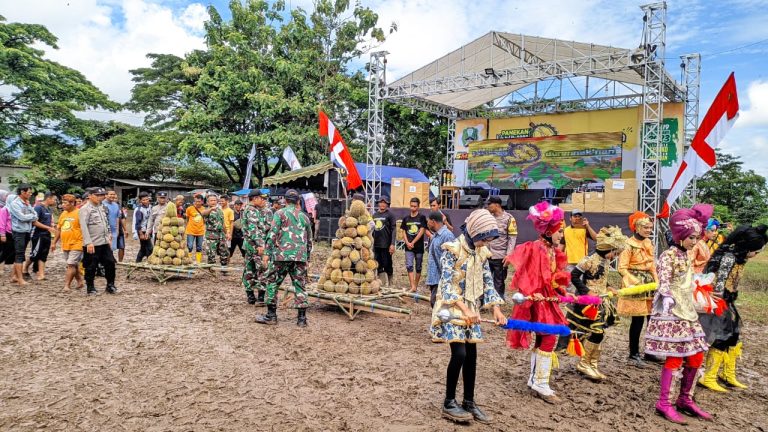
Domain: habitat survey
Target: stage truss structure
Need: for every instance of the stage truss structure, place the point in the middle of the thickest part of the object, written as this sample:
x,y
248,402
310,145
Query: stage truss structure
x,y
536,75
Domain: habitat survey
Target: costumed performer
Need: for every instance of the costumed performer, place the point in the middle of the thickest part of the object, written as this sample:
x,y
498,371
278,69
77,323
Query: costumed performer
x,y
723,332
540,273
637,266
590,277
714,237
674,330
466,283
701,253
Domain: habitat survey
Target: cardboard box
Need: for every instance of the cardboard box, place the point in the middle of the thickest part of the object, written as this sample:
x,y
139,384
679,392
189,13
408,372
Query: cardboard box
x,y
577,200
403,190
594,202
621,195
399,186
566,207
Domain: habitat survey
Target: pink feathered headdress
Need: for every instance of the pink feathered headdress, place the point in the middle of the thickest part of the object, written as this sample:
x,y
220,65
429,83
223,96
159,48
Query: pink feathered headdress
x,y
686,222
547,219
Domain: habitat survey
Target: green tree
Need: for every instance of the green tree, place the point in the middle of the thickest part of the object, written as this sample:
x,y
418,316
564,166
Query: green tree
x,y
415,139
742,192
43,95
261,82
135,154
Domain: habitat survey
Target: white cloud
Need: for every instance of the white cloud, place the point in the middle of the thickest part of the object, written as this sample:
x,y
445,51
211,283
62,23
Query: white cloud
x,y
104,39
755,111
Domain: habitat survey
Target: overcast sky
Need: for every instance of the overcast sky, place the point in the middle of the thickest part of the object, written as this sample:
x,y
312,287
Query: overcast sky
x,y
105,38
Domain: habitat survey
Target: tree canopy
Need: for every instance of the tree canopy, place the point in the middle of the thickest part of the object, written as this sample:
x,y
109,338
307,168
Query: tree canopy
x,y
728,186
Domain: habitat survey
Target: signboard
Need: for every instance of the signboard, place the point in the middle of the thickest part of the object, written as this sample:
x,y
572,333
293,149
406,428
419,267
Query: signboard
x,y
565,139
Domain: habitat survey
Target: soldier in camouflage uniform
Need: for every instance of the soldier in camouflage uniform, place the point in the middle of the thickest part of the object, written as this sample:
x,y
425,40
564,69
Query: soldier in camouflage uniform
x,y
289,244
256,221
215,234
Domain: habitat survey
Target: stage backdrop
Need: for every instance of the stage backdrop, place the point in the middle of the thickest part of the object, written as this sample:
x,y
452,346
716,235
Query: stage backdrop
x,y
561,150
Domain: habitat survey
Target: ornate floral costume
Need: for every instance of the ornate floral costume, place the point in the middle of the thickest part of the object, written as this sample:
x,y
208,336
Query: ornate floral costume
x,y
674,332
457,263
637,266
699,256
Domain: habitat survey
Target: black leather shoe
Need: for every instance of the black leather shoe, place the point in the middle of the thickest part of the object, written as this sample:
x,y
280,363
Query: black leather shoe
x,y
652,358
636,361
452,411
111,289
251,297
91,290
270,318
477,413
302,320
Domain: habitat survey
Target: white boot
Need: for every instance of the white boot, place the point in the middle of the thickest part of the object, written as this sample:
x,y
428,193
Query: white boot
x,y
545,361
533,368
384,279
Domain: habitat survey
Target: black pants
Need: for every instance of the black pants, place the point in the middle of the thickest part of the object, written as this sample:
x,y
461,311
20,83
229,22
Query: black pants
x,y
101,255
20,242
432,295
7,250
464,360
384,258
40,247
635,330
499,271
236,243
145,250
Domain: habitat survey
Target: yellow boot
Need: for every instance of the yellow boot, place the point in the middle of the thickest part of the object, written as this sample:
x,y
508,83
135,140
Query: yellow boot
x,y
585,364
715,358
199,257
594,359
729,367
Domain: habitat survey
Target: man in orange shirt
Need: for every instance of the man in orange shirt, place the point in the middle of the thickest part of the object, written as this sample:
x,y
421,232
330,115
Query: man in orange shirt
x,y
577,237
71,240
196,228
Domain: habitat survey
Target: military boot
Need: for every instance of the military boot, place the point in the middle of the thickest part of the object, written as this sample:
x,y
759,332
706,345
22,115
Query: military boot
x,y
260,299
270,318
302,318
251,297
90,290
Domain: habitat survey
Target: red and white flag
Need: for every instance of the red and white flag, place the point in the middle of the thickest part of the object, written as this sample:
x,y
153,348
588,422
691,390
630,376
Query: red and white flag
x,y
340,154
700,157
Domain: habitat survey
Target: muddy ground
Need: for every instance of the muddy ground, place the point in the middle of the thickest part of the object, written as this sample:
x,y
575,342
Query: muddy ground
x,y
187,356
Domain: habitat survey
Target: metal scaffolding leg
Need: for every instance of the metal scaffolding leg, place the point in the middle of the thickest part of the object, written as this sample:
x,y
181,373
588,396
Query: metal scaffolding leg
x,y
691,77
375,142
450,144
654,33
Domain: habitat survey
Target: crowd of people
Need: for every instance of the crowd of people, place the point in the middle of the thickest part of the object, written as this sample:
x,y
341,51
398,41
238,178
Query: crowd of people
x,y
688,327
693,329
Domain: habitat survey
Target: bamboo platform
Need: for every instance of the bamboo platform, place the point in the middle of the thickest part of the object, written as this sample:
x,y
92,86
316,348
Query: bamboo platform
x,y
164,273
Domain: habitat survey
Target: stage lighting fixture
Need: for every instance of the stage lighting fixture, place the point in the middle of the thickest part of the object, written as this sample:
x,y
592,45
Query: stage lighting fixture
x,y
490,72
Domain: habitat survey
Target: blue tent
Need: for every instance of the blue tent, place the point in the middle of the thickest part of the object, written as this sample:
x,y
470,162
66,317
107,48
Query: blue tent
x,y
242,192
390,172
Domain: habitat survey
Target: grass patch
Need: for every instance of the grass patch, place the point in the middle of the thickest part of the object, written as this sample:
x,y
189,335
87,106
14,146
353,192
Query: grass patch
x,y
753,290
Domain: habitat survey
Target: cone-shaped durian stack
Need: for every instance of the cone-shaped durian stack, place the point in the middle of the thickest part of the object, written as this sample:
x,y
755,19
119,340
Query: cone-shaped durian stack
x,y
351,267
170,248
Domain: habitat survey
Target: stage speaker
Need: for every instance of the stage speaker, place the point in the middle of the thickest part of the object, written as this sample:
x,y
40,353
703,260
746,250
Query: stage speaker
x,y
470,202
334,188
328,227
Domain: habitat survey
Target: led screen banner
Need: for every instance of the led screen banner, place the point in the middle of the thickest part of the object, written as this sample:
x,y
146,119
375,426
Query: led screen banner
x,y
560,150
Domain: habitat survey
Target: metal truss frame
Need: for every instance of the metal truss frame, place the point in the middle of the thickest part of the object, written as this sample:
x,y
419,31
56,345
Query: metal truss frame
x,y
690,68
375,139
648,60
654,46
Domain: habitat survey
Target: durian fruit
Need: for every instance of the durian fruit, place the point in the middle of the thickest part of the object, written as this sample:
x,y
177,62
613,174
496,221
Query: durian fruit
x,y
174,245
375,286
357,209
364,219
165,229
354,288
347,276
373,265
159,251
367,243
170,210
359,278
347,241
350,232
177,238
346,264
337,244
177,261
365,254
174,231
336,263
358,243
154,260
170,252
361,267
354,255
350,222
370,276
340,233
177,222
336,276
365,289
345,251
336,253
166,222
329,286
342,287
168,238
167,260
180,253
164,244
362,230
